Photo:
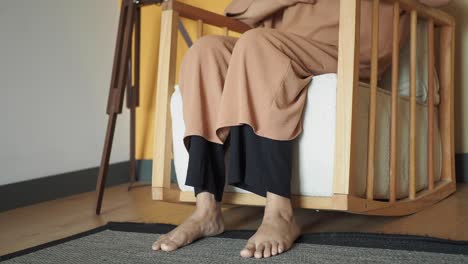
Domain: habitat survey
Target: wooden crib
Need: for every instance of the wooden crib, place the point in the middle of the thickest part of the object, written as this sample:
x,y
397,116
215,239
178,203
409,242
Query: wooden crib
x,y
344,197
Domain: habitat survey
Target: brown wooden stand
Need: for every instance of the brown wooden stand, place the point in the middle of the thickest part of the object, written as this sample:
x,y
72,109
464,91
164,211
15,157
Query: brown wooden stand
x,y
130,18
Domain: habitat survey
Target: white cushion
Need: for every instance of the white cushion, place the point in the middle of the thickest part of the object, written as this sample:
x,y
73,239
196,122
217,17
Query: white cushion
x,y
422,89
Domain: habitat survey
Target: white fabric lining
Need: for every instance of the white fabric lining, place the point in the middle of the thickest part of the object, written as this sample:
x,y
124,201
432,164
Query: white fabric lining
x,y
314,148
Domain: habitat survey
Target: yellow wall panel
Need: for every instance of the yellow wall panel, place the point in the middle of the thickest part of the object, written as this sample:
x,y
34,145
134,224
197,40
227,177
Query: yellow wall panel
x,y
151,16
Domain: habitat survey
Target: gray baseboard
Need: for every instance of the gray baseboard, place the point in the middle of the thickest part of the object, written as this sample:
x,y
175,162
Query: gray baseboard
x,y
48,188
461,167
57,186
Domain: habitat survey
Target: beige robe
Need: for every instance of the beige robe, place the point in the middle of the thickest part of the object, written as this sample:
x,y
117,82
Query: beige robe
x,y
261,78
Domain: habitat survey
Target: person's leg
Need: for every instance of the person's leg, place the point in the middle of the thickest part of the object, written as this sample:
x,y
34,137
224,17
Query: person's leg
x,y
206,168
206,174
266,88
205,221
259,164
201,80
264,166
277,232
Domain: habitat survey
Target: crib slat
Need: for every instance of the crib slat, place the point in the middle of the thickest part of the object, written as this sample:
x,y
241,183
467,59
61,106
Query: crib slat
x,y
161,176
412,140
430,143
373,101
199,28
446,106
346,137
394,116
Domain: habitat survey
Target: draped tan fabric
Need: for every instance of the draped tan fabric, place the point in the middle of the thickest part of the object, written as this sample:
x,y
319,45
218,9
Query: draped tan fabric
x,y
261,78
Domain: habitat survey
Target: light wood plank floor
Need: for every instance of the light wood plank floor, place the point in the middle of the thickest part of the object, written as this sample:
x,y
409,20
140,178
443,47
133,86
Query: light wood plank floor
x,y
36,224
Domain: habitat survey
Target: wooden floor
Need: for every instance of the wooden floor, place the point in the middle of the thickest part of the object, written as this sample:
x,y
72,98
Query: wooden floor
x,y
32,225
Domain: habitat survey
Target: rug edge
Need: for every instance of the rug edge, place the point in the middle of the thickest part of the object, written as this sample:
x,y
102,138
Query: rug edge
x,y
308,238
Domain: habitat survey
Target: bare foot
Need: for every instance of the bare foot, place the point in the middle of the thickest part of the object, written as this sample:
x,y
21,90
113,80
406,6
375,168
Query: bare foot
x,y
206,221
277,232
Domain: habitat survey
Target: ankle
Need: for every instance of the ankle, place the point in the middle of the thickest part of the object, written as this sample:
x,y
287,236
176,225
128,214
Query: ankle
x,y
277,205
207,205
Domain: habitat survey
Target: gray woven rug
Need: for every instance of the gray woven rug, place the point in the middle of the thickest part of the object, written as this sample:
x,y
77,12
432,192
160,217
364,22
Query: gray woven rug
x,y
131,243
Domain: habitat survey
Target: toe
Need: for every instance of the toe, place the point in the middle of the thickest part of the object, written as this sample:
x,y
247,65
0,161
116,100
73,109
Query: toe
x,y
157,245
274,248
281,247
168,245
267,250
248,250
259,251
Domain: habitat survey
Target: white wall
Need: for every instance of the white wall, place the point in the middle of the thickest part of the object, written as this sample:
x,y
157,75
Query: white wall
x,y
459,9
55,66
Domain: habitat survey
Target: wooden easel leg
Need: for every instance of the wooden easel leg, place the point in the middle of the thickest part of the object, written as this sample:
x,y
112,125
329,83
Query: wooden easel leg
x,y
105,161
117,89
133,95
131,105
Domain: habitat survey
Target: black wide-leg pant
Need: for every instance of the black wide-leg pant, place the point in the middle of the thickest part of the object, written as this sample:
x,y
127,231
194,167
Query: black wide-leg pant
x,y
254,163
